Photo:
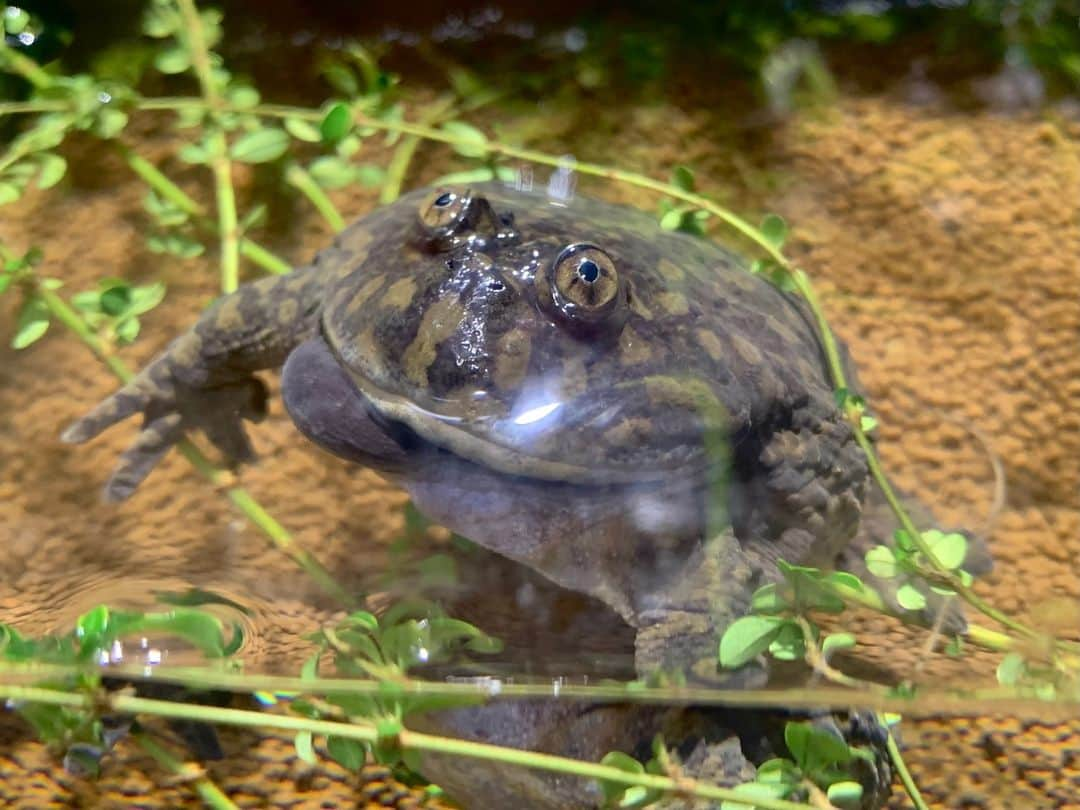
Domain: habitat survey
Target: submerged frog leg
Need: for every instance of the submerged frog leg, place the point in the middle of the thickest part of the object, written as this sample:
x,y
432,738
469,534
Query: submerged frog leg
x,y
679,625
204,379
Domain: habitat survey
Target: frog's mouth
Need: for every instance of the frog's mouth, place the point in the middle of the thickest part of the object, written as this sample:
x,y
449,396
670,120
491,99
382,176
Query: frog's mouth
x,y
327,408
351,418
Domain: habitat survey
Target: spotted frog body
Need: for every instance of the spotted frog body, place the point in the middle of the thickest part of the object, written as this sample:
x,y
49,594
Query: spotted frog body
x,y
627,410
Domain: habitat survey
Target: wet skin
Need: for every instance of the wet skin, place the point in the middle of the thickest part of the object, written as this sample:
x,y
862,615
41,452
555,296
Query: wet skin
x,y
626,410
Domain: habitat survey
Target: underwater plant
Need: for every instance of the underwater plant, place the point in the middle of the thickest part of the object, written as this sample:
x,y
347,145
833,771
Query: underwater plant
x,y
316,150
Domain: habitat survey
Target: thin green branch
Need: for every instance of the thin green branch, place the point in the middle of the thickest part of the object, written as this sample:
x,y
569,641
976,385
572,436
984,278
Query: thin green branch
x,y
949,578
902,771
31,107
403,155
300,179
976,634
367,733
217,147
939,702
243,500
14,62
210,793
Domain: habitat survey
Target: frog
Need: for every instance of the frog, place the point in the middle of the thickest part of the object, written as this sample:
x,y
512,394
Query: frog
x,y
625,409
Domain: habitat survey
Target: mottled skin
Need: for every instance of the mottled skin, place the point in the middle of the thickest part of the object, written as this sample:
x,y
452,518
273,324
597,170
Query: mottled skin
x,y
572,443
639,419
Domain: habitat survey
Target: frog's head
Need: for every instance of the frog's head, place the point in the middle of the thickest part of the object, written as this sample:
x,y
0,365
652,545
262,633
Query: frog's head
x,y
548,339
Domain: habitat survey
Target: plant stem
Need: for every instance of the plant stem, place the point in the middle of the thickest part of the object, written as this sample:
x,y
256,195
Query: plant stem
x,y
210,793
154,178
403,155
817,661
905,775
365,732
908,526
297,177
22,65
25,107
976,634
243,500
217,147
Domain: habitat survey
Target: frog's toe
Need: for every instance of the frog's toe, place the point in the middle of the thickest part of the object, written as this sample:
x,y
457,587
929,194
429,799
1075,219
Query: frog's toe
x,y
155,439
126,402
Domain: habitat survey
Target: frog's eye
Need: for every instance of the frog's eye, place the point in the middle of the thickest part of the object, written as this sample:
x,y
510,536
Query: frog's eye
x,y
444,210
584,290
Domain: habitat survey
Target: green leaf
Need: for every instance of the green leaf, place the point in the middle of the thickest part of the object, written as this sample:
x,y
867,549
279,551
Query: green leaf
x,y
814,749
767,599
789,644
115,300
747,638
9,193
52,168
774,229
32,323
881,562
335,124
950,549
614,792
144,298
837,641
845,579
364,619
200,629
683,178
260,146
348,146
1011,669
370,175
349,754
471,142
243,96
845,794
756,790
110,123
5,281
332,172
304,747
778,769
172,60
671,220
910,598
193,153
867,423
15,20
91,626
160,21
302,130
127,330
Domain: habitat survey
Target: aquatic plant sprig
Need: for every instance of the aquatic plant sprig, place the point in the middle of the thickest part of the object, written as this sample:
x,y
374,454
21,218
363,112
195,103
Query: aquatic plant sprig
x,y
192,33
368,733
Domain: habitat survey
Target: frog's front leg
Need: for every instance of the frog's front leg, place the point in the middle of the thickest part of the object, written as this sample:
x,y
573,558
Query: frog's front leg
x,y
204,379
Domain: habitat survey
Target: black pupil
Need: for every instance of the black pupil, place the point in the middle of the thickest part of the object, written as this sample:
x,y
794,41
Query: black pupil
x,y
589,271
444,199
